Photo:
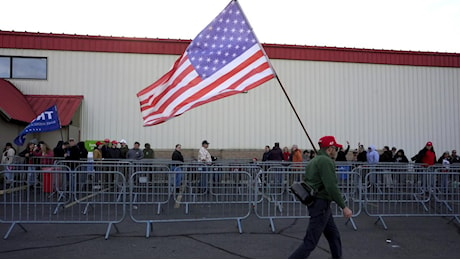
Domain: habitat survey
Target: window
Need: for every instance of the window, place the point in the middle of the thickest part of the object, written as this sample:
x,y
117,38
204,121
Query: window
x,y
23,67
5,67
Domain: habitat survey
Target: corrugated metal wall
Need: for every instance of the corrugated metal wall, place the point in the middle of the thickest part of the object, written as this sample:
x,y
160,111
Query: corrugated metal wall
x,y
402,106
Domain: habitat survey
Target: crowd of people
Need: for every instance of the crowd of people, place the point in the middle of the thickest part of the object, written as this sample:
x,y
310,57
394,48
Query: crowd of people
x,y
370,155
326,187
113,149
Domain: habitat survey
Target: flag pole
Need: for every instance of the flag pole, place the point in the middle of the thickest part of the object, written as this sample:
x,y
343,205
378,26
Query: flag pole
x,y
279,81
295,112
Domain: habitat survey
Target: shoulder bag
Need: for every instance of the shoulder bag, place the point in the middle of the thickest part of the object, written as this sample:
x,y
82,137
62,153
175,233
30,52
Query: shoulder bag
x,y
303,192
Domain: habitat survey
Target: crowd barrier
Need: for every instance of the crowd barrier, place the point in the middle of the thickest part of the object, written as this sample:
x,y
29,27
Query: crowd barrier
x,y
53,194
274,201
409,193
156,191
178,196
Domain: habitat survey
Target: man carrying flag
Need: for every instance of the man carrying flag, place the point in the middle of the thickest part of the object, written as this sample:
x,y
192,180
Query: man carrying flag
x,y
224,59
47,121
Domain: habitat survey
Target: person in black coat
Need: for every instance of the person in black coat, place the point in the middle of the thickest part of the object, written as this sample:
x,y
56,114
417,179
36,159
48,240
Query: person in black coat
x,y
387,155
400,156
276,154
341,154
454,158
266,153
362,154
114,152
58,151
82,150
444,156
177,155
72,152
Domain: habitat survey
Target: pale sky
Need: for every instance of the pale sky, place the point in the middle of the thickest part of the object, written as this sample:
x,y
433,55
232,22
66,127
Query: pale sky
x,y
417,25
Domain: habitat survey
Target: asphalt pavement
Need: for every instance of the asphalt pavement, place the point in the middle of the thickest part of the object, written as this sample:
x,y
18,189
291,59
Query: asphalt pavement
x,y
406,237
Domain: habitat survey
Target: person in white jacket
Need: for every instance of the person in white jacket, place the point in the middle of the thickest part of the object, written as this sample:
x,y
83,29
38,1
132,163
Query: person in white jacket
x,y
7,158
372,158
205,157
372,155
203,154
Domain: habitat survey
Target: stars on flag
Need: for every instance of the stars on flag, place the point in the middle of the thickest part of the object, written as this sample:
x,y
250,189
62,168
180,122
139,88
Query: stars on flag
x,y
227,37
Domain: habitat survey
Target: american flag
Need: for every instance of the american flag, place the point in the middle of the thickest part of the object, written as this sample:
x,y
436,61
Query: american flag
x,y
224,59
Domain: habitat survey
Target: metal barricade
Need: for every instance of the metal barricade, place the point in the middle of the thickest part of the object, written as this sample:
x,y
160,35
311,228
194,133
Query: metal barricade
x,y
364,169
124,167
171,191
445,190
204,195
62,196
412,194
274,201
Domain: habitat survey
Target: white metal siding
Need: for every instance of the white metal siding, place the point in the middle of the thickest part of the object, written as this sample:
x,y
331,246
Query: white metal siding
x,y
402,106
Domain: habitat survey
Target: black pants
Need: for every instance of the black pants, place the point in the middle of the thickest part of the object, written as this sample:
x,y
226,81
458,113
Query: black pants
x,y
321,221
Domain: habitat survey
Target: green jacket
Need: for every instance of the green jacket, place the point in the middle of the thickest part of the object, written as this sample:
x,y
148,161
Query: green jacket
x,y
124,150
320,174
148,153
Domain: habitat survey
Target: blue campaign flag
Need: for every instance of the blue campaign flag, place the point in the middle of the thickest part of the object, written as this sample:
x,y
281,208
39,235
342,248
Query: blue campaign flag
x,y
47,121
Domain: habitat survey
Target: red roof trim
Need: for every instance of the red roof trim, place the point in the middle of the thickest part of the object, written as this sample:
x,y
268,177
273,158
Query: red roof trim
x,y
334,54
24,108
66,105
13,104
66,42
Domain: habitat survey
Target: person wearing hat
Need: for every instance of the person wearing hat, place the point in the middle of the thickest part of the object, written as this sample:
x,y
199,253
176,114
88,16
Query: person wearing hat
x,y
321,176
427,155
123,148
203,154
105,148
114,151
205,157
97,153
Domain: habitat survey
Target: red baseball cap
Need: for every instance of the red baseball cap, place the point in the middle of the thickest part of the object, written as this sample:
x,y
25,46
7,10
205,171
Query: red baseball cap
x,y
429,144
99,143
327,141
114,142
106,140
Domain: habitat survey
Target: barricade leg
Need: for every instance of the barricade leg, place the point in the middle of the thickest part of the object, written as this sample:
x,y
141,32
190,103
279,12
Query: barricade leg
x,y
109,227
454,218
380,219
272,225
352,223
240,229
11,229
148,229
